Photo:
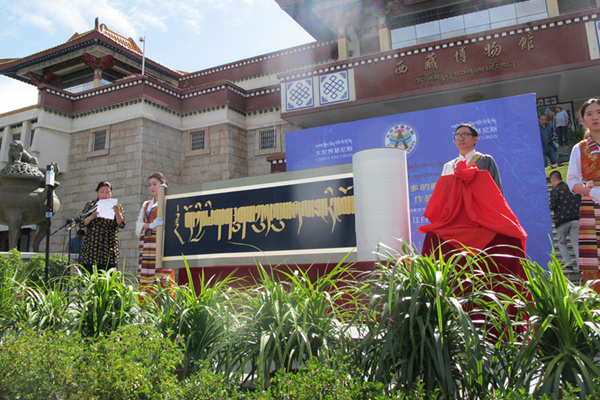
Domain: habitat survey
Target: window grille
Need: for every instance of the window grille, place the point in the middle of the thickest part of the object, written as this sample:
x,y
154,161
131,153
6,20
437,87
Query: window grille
x,y
267,139
197,140
99,141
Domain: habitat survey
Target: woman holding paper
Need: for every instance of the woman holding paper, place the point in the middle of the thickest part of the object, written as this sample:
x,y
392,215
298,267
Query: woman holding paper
x,y
104,219
145,228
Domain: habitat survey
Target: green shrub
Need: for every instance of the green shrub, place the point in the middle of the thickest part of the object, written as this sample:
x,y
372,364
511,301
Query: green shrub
x,y
207,385
58,269
132,362
39,366
321,381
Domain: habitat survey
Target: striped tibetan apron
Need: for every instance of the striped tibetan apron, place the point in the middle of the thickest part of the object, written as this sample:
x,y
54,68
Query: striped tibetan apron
x,y
589,222
147,273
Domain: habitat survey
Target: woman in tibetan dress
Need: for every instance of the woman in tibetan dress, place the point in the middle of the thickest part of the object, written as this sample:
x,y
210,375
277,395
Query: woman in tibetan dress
x,y
147,273
583,177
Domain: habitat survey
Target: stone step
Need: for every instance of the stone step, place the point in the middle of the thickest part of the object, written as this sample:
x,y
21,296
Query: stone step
x,y
574,276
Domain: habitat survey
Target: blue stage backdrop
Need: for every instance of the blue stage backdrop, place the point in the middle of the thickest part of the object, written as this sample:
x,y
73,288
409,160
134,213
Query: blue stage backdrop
x,y
508,130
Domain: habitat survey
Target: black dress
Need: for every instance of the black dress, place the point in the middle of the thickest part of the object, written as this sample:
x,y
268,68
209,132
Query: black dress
x,y
101,244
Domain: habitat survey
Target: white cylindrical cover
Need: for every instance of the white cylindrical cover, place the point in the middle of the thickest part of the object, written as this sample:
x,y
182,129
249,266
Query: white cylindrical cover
x,y
381,200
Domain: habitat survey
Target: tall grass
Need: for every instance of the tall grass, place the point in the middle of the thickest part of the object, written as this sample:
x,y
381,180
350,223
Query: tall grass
x,y
417,327
104,302
563,344
198,318
13,289
289,318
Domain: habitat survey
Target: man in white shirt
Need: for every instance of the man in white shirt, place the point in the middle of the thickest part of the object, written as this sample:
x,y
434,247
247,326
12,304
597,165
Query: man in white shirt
x,y
466,136
561,122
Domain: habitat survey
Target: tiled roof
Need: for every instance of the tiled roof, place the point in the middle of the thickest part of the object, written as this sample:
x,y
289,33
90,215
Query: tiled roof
x,y
126,47
128,43
7,60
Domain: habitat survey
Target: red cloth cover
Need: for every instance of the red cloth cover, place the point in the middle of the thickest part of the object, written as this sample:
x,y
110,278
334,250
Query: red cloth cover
x,y
468,207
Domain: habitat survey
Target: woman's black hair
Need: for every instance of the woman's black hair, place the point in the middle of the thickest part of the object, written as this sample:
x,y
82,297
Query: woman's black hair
x,y
102,184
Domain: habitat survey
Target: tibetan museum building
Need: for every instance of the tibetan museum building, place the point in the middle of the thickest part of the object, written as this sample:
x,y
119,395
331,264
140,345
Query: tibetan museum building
x,y
107,113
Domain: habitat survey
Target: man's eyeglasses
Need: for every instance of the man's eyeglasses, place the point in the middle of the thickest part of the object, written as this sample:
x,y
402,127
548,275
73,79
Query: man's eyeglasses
x,y
462,135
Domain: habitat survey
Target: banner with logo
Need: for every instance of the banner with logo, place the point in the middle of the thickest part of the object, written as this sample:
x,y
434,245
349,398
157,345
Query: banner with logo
x,y
508,130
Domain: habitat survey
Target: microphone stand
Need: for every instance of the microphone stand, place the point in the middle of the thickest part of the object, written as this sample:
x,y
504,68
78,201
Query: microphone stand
x,y
71,223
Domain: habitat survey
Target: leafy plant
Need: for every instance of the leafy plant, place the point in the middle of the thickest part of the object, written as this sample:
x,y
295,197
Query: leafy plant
x,y
132,362
36,365
104,302
290,318
206,384
574,136
199,318
48,309
12,290
565,331
318,380
58,269
426,322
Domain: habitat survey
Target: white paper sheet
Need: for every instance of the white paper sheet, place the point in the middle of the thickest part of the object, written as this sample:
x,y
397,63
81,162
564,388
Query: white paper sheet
x,y
105,208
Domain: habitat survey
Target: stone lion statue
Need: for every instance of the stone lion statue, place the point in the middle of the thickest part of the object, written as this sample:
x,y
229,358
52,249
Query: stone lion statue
x,y
17,153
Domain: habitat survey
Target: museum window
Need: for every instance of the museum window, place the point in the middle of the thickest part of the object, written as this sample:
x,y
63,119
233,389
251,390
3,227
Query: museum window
x,y
197,143
197,140
267,139
99,142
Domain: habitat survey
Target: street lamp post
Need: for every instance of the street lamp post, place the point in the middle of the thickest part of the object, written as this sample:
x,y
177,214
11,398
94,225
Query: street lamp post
x,y
49,211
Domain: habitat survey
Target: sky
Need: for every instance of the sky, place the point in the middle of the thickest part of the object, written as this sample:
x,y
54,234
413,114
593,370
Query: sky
x,y
187,35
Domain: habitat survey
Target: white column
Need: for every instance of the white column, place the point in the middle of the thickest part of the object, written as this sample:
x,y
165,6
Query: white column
x,y
342,43
97,77
385,36
552,7
26,134
381,201
4,146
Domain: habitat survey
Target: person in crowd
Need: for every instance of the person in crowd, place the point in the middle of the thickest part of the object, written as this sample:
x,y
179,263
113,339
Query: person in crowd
x,y
101,244
466,137
145,228
583,177
560,123
565,205
548,148
75,244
